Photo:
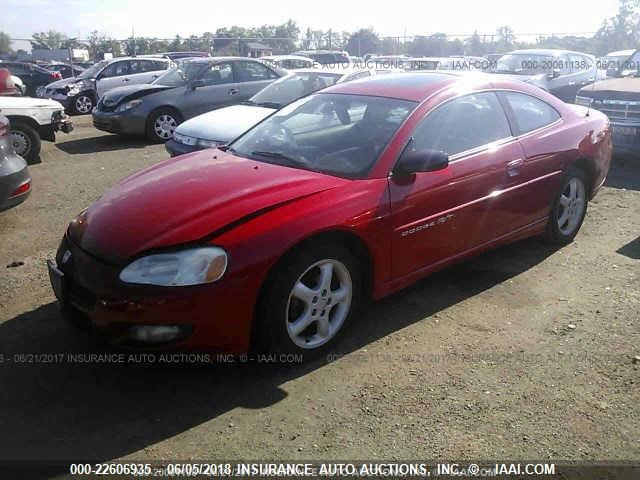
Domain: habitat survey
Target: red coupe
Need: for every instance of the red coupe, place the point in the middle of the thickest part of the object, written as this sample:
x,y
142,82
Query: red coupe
x,y
274,241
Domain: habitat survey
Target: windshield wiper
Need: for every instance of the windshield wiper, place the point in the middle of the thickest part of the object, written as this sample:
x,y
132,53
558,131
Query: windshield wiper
x,y
269,105
281,156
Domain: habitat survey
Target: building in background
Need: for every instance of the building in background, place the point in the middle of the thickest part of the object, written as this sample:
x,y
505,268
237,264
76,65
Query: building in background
x,y
60,55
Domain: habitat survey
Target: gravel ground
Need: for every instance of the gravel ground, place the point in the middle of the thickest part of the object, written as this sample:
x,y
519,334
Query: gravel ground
x,y
526,352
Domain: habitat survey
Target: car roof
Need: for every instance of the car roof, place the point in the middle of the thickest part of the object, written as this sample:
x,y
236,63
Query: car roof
x,y
285,57
620,53
544,51
408,86
221,59
138,57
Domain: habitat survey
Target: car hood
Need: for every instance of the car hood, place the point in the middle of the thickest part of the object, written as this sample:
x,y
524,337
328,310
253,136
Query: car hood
x,y
116,95
224,124
12,103
65,82
186,199
613,89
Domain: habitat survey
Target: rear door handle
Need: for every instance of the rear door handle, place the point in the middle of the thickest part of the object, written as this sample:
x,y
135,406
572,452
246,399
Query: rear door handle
x,y
513,167
233,91
125,79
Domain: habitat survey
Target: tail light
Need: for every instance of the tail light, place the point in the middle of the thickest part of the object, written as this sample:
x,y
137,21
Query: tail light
x,y
22,189
4,126
56,75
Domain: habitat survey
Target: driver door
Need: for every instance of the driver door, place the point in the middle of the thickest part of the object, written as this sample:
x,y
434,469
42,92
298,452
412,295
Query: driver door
x,y
440,215
218,89
112,76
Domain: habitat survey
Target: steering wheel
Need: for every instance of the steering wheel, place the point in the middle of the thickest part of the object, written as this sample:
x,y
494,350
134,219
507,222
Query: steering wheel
x,y
279,135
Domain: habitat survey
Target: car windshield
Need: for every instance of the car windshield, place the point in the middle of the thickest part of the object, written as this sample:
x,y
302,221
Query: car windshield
x,y
93,70
293,86
329,58
525,64
179,75
422,64
337,134
622,65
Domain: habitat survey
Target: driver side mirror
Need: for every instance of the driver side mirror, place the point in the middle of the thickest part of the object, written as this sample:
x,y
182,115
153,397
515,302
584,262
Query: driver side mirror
x,y
196,83
554,74
416,161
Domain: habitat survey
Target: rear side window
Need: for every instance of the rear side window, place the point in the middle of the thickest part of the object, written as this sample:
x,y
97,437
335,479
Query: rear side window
x,y
530,113
463,124
152,65
253,71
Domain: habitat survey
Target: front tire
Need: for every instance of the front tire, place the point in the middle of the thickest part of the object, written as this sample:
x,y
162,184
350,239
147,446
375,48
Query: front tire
x,y
26,141
569,208
83,104
162,123
308,301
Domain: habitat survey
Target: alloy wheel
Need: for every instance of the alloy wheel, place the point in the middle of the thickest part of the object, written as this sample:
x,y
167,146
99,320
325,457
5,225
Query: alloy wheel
x,y
84,104
21,143
571,206
164,126
319,303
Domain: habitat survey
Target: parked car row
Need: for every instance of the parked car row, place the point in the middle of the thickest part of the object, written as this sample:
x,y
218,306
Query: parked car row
x,y
33,76
195,86
80,94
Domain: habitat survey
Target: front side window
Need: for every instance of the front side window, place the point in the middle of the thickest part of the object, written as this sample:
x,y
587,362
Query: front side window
x,y
529,112
116,69
462,124
337,134
93,70
218,74
182,73
580,63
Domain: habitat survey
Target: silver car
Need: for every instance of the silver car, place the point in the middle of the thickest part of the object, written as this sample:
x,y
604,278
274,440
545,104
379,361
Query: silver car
x,y
15,180
225,124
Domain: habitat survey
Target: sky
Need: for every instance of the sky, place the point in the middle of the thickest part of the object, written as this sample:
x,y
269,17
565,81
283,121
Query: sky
x,y
163,19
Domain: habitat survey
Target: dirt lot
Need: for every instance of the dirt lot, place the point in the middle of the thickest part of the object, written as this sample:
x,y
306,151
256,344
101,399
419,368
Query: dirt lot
x,y
526,352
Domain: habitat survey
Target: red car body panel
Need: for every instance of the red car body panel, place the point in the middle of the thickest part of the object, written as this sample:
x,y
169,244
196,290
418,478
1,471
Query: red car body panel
x,y
257,212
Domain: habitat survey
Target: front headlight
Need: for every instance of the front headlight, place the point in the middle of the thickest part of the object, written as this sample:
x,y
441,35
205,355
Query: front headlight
x,y
184,139
123,107
208,143
73,89
187,267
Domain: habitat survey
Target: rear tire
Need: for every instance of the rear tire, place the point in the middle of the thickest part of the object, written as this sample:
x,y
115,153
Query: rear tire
x,y
308,301
26,141
162,123
569,208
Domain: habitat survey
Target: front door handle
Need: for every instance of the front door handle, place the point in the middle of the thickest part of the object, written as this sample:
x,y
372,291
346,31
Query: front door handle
x,y
125,79
513,167
233,91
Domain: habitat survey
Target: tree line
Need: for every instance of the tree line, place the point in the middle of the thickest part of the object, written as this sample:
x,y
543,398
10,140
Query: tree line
x,y
621,31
